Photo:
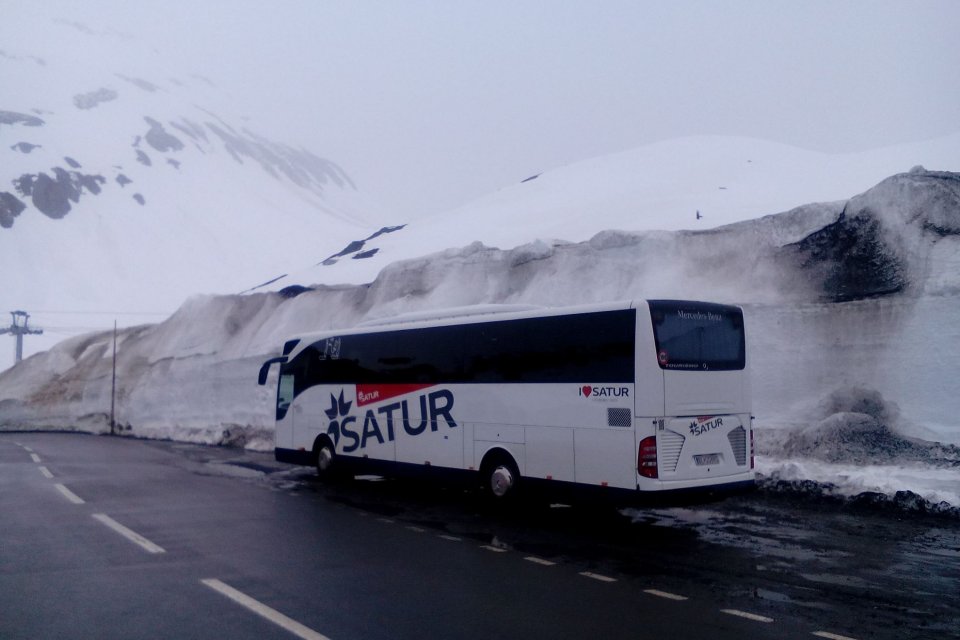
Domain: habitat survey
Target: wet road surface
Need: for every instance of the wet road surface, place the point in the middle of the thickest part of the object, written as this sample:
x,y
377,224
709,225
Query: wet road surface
x,y
116,538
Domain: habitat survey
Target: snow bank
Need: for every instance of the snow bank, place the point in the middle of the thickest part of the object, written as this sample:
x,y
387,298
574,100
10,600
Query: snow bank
x,y
859,452
912,487
857,426
852,313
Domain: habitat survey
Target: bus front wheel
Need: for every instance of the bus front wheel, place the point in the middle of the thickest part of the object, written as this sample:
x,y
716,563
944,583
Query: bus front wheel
x,y
325,459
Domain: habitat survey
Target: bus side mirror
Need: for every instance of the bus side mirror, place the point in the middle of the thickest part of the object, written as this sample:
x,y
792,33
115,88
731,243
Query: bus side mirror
x,y
265,368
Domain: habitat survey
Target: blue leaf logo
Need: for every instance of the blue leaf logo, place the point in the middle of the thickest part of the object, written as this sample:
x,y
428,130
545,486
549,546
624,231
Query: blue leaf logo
x,y
339,408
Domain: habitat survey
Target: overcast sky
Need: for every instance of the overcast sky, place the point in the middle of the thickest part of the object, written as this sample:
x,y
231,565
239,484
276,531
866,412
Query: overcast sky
x,y
428,104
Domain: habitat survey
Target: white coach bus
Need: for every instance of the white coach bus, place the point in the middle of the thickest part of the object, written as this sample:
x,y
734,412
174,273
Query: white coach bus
x,y
645,396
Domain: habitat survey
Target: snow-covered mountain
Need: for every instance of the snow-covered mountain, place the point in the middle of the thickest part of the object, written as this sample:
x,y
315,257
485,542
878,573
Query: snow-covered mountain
x,y
126,186
694,183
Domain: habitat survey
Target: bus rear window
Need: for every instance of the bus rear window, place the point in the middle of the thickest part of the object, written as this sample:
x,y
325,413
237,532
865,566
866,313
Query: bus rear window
x,y
698,336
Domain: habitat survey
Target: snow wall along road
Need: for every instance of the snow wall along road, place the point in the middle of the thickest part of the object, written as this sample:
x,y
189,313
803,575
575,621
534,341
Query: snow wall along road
x,y
848,304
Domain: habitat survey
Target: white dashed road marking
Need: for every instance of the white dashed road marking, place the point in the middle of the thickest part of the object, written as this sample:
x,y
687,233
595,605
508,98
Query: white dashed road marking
x,y
597,576
450,538
831,636
540,561
35,457
492,548
264,611
69,495
747,615
46,472
664,594
129,534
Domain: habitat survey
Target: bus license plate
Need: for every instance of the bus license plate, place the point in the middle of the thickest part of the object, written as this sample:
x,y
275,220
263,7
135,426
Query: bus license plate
x,y
705,459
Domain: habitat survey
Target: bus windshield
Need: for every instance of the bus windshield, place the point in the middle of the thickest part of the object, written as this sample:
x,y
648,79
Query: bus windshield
x,y
698,336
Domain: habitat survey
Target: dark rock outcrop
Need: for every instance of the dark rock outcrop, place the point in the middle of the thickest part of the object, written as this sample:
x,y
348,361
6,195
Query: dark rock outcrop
x,y
158,137
871,249
24,147
10,208
851,258
12,117
52,195
94,98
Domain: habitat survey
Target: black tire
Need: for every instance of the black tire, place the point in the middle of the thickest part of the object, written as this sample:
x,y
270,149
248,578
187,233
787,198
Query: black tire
x,y
500,477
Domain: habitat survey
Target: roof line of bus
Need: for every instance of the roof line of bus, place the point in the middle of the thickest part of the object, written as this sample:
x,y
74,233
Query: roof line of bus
x,y
458,315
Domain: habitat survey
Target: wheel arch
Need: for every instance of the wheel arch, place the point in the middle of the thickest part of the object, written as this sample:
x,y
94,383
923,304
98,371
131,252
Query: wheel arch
x,y
498,451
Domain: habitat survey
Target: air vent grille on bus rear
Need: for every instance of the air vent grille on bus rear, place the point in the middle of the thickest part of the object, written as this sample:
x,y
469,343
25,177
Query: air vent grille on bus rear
x,y
670,445
738,442
619,417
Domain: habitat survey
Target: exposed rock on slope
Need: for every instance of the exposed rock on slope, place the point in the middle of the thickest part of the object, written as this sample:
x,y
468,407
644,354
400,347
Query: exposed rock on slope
x,y
876,246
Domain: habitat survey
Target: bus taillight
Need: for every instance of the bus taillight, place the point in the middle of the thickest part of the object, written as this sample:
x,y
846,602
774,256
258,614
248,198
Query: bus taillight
x,y
647,457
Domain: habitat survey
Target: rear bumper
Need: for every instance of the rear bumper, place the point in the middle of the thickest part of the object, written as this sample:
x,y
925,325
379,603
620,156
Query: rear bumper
x,y
660,485
691,496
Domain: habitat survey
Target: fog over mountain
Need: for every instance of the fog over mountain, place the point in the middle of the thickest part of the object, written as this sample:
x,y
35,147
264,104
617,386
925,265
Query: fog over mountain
x,y
126,187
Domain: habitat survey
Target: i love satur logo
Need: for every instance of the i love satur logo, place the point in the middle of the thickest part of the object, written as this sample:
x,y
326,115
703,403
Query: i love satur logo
x,y
590,391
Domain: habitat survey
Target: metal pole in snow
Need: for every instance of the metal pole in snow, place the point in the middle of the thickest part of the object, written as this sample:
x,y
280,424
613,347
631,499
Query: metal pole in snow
x,y
113,383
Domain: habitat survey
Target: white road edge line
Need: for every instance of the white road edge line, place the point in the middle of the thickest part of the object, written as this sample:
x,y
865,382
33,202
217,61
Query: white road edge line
x,y
129,534
262,610
540,561
597,576
747,615
665,594
46,472
69,495
35,457
831,636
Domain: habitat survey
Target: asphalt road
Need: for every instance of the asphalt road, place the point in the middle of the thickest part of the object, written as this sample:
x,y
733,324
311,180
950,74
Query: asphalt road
x,y
115,538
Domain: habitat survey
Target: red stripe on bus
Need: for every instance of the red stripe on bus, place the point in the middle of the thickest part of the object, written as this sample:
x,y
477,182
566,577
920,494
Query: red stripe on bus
x,y
371,393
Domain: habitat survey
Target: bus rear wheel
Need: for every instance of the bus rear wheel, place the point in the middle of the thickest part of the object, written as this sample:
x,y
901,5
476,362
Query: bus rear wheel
x,y
500,478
